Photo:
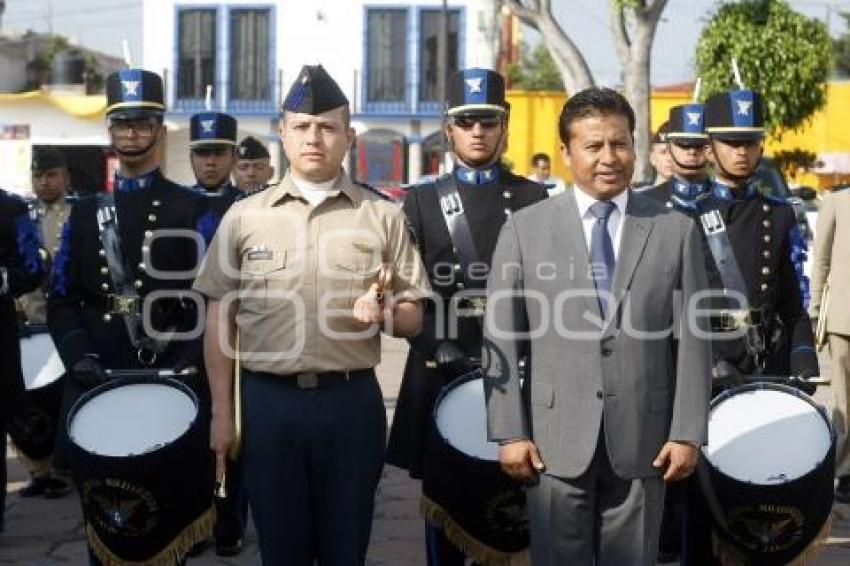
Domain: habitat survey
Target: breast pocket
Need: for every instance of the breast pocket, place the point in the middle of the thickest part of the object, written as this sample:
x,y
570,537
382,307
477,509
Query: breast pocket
x,y
265,278
354,268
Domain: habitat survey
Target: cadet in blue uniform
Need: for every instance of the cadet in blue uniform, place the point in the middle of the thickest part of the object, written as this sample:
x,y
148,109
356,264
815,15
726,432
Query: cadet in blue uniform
x,y
762,239
213,153
476,127
21,270
94,310
687,145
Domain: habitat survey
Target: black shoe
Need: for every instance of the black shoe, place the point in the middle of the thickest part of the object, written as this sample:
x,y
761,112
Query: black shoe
x,y
55,488
35,488
228,548
842,492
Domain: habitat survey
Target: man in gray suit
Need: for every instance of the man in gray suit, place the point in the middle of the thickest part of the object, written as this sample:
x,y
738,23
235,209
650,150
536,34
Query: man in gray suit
x,y
589,287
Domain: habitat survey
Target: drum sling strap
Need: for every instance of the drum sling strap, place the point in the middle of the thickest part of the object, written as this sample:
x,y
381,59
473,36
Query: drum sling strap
x,y
717,237
128,302
454,215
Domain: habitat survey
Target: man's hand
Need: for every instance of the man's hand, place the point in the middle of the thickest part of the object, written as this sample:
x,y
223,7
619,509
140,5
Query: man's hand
x,y
369,308
680,459
222,435
521,460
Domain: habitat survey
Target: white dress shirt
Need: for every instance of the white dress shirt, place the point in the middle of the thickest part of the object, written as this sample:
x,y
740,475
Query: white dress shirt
x,y
615,223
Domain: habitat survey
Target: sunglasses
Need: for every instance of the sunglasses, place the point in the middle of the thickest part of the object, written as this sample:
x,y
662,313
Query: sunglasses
x,y
468,122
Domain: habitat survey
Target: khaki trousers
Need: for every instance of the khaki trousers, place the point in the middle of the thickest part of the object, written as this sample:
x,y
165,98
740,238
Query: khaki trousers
x,y
839,351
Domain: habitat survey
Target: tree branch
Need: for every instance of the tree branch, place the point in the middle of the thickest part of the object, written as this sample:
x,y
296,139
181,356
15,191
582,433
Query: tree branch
x,y
622,43
528,15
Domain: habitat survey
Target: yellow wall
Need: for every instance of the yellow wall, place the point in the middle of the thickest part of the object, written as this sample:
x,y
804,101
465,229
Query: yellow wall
x,y
534,128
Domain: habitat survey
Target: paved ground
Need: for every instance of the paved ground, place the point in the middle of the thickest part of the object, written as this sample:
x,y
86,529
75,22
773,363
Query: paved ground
x,y
45,533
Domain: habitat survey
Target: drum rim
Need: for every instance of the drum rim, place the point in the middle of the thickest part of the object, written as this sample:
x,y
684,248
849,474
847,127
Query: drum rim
x,y
761,385
120,382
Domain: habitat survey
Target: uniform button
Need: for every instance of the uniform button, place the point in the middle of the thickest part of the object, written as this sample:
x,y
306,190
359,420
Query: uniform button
x,y
506,194
766,223
765,207
104,286
764,286
767,238
138,283
146,249
148,233
507,212
104,270
107,317
152,217
765,270
457,267
142,265
599,395
156,203
459,285
101,253
607,352
766,254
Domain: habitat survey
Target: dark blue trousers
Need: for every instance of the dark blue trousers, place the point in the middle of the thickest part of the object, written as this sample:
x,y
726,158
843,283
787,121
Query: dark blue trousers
x,y
312,459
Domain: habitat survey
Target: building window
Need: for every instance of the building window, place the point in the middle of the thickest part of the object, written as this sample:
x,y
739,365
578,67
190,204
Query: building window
x,y
381,158
196,48
386,55
429,34
250,54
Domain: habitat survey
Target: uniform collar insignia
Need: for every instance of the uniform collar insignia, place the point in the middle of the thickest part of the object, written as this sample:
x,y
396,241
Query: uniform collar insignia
x,y
726,193
472,176
146,181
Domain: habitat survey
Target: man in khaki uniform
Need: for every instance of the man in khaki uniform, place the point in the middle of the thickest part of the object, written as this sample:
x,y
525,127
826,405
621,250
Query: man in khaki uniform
x,y
308,272
35,434
831,268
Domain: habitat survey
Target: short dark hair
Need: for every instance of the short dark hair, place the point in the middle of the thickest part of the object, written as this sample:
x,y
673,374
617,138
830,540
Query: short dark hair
x,y
593,101
540,157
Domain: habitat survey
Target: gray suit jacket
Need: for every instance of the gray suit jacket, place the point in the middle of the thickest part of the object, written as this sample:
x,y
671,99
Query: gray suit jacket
x,y
542,303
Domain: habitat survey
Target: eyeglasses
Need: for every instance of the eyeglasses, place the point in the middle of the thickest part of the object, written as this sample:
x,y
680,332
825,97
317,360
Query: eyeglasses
x,y
141,127
468,122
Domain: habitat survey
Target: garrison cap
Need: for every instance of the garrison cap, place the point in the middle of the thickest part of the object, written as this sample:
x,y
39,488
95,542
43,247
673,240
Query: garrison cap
x,y
134,93
687,123
735,115
314,92
251,148
47,157
476,92
212,128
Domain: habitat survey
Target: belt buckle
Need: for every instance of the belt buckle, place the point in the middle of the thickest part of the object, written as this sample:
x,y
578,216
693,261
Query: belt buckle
x,y
122,304
471,307
307,380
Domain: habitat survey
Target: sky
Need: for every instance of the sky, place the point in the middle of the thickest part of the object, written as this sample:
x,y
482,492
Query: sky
x,y
103,24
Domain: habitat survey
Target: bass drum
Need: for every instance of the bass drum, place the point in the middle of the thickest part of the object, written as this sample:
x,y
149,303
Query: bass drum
x,y
140,460
480,508
767,471
34,430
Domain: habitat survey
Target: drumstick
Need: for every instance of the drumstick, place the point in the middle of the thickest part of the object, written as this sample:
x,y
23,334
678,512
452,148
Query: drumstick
x,y
385,278
220,490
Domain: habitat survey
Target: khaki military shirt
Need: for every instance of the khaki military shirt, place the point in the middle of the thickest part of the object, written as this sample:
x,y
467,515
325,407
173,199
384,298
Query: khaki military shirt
x,y
294,273
51,219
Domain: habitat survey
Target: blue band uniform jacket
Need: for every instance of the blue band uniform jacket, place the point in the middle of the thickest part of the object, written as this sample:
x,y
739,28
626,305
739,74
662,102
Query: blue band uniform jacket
x,y
78,307
489,196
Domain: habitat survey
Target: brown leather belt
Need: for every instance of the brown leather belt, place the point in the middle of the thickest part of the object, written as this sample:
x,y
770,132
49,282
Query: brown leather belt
x,y
315,380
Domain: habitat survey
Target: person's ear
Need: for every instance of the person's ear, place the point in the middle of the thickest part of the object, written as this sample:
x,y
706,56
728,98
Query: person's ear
x,y
564,150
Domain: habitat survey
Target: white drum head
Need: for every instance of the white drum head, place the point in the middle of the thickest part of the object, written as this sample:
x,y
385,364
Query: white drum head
x,y
766,437
462,421
132,419
40,361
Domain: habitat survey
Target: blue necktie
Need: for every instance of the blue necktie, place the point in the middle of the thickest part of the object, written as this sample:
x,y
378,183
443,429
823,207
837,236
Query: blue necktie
x,y
602,252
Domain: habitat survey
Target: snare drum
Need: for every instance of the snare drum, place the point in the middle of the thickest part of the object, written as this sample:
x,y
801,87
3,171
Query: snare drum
x,y
34,430
140,459
768,469
464,489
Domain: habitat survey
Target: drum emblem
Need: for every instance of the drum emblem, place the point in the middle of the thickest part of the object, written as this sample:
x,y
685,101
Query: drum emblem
x,y
774,527
119,507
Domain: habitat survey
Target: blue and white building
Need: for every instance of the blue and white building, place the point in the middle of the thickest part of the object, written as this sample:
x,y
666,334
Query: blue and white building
x,y
382,52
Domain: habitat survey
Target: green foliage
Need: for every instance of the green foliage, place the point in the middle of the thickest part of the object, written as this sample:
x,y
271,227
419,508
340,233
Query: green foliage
x,y
536,70
792,160
783,54
841,49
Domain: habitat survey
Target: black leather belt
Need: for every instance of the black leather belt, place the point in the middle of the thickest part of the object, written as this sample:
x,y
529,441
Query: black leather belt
x,y
736,319
315,380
